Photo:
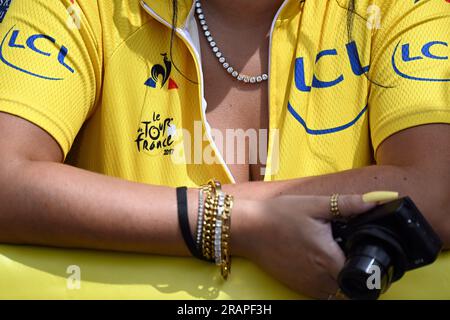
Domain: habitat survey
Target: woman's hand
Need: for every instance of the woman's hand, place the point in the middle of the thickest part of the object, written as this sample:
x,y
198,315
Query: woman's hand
x,y
290,237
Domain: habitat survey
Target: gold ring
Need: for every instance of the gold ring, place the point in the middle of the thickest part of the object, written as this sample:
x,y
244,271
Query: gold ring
x,y
334,208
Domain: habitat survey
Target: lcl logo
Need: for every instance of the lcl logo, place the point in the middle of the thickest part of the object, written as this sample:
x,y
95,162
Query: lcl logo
x,y
14,40
353,59
427,52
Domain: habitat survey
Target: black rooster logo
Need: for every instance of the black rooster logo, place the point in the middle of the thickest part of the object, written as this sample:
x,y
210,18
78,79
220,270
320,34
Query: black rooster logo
x,y
160,71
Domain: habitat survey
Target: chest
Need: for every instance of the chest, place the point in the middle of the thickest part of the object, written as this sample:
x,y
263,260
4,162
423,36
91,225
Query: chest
x,y
238,115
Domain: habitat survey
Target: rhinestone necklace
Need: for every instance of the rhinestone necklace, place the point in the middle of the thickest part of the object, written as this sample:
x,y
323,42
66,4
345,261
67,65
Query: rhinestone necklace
x,y
234,73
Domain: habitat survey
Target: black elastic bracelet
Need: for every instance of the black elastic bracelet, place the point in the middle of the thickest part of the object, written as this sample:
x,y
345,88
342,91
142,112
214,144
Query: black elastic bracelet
x,y
183,220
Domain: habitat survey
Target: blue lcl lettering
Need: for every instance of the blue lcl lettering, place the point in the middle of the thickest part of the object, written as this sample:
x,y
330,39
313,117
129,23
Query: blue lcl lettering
x,y
62,56
425,52
31,43
427,47
406,55
326,84
355,62
32,46
12,41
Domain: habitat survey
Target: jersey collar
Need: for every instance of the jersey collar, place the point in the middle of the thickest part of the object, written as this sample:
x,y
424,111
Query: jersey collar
x,y
164,11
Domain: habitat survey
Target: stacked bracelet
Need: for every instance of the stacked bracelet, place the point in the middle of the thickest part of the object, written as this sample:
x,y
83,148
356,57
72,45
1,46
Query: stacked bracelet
x,y
213,225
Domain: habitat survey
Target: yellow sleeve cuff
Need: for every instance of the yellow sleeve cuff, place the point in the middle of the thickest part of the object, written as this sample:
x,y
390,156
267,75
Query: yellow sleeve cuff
x,y
394,125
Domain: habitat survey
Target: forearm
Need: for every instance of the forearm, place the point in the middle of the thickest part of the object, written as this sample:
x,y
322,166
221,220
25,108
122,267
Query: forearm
x,y
428,187
351,181
54,204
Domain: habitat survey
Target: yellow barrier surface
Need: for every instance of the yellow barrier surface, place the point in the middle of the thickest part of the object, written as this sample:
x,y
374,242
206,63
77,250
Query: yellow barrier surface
x,y
42,273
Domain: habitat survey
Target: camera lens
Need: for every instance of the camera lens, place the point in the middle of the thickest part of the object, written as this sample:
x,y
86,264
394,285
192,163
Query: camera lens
x,y
367,272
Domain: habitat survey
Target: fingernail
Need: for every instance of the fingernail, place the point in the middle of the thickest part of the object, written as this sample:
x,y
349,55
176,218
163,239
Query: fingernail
x,y
378,196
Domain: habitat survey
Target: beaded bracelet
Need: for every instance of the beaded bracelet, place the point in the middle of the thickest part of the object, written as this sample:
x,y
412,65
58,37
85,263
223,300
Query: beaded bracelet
x,y
200,218
218,228
203,193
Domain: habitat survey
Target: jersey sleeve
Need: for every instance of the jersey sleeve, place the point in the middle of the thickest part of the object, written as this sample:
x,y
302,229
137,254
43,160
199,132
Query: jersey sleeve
x,y
50,64
410,69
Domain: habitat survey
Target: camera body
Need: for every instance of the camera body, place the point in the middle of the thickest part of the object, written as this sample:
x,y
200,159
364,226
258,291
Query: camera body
x,y
393,237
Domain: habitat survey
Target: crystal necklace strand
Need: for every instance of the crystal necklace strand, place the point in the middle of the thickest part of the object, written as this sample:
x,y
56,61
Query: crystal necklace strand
x,y
234,73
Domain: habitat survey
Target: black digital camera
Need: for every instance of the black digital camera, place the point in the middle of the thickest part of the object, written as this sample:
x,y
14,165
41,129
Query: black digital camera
x,y
381,245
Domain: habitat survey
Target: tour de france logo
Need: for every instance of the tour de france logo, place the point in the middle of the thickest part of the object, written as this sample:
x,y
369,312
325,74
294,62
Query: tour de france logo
x,y
157,136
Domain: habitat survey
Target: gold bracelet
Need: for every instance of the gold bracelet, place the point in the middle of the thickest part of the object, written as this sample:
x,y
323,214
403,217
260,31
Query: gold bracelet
x,y
209,222
226,232
204,191
205,220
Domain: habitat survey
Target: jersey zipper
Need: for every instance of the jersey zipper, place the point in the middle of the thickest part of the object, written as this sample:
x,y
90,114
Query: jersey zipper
x,y
182,35
269,163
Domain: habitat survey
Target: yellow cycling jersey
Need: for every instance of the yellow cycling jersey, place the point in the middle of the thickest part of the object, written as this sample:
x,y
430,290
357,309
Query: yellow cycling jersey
x,y
99,76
